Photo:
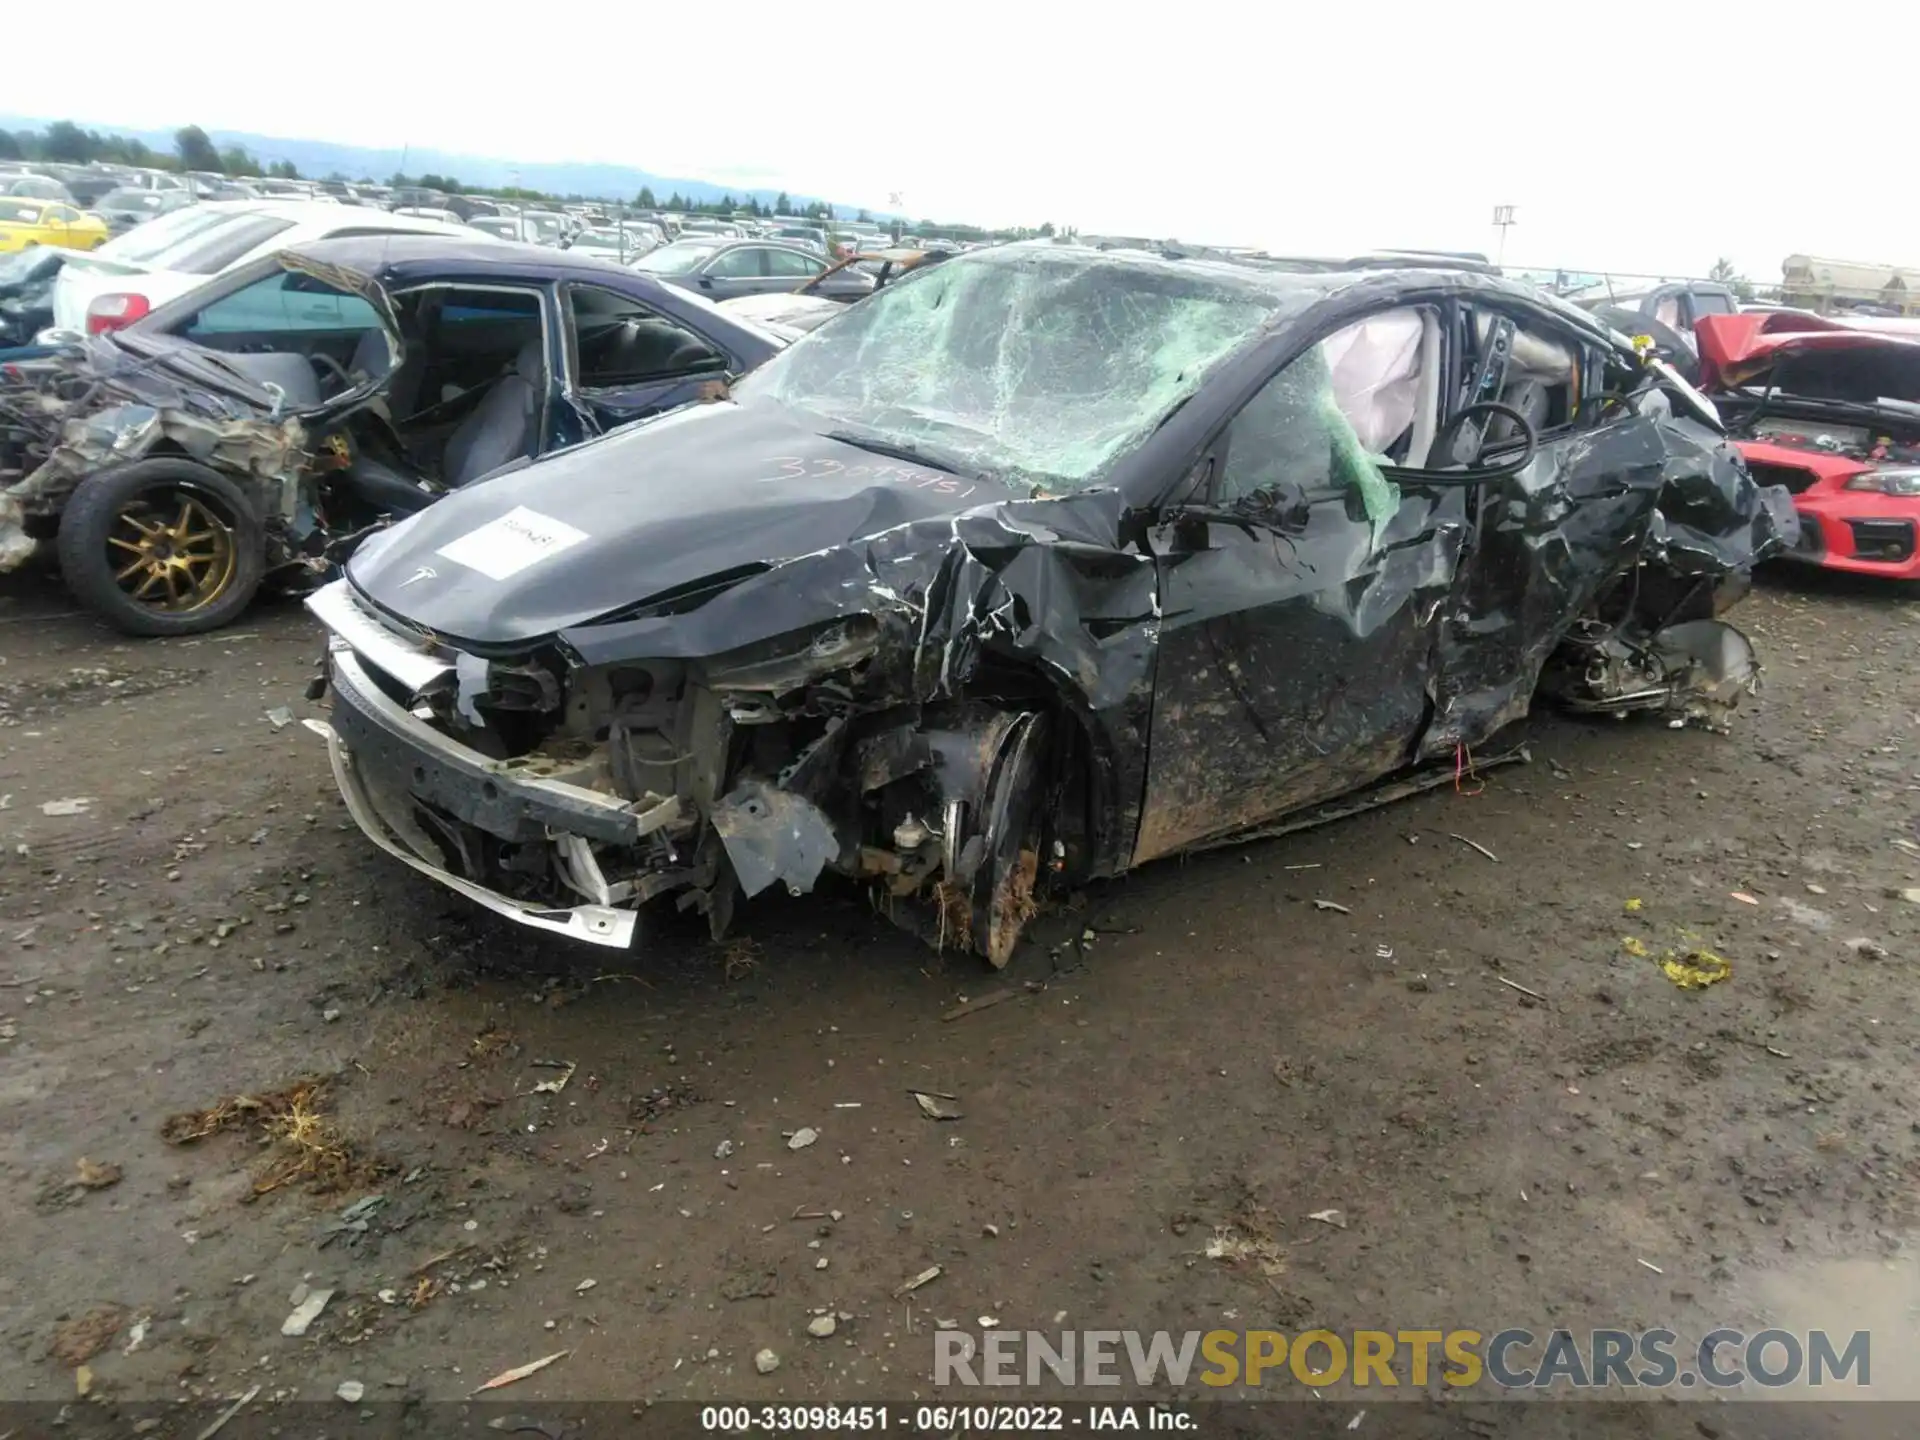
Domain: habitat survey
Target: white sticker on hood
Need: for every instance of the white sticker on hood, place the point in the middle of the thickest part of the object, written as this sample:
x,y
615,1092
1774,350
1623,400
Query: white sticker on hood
x,y
506,546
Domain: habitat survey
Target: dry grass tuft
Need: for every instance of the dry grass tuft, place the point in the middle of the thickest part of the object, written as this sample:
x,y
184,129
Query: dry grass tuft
x,y
302,1140
955,910
739,958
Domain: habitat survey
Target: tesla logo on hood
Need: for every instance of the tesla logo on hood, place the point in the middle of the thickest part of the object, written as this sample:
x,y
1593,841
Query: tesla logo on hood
x,y
425,572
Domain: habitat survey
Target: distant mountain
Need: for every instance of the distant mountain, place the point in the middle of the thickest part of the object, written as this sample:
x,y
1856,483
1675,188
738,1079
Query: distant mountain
x,y
316,159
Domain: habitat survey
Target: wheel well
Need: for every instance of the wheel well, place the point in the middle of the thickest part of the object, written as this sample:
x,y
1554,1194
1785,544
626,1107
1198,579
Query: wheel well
x,y
162,449
1086,813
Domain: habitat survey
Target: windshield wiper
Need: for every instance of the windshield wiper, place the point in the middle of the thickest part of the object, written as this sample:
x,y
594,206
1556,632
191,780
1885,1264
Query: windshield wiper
x,y
898,450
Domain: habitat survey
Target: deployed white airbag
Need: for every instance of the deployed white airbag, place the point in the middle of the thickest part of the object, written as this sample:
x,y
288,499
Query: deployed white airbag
x,y
1376,375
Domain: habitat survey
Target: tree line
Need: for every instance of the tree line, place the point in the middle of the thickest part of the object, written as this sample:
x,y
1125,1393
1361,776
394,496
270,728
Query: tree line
x,y
64,142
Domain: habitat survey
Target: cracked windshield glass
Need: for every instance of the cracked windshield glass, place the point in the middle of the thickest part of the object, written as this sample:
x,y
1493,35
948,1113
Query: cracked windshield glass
x,y
1030,368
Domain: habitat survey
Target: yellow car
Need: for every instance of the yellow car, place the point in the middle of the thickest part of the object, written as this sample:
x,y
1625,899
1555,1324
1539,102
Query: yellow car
x,y
25,223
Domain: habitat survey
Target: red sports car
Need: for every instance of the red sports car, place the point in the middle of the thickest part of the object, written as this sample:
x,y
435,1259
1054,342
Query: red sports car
x,y
1831,410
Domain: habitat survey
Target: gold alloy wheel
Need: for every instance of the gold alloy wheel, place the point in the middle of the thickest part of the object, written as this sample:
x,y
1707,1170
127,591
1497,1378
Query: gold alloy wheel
x,y
171,551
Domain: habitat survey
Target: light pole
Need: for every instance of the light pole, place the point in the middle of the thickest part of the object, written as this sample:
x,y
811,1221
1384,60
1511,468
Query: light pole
x,y
1503,220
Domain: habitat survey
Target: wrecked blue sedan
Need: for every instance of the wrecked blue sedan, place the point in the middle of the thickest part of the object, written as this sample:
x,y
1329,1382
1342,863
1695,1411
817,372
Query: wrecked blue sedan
x,y
1037,565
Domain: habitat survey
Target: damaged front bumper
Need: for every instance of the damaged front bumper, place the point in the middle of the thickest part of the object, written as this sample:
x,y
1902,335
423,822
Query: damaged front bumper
x,y
569,798
392,765
596,924
384,757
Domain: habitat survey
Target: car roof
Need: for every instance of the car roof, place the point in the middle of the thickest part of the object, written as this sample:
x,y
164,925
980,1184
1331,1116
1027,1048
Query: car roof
x,y
769,242
325,215
1254,279
399,259
1293,289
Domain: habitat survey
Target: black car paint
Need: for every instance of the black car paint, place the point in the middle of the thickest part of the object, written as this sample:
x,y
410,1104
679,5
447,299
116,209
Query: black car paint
x,y
1134,605
692,494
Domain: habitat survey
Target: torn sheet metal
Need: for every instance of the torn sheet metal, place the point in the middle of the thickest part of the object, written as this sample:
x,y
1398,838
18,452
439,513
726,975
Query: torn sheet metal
x,y
1696,672
772,835
98,405
1655,513
16,545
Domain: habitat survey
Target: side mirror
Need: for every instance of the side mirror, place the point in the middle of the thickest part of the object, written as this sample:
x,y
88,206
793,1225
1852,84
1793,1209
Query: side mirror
x,y
706,282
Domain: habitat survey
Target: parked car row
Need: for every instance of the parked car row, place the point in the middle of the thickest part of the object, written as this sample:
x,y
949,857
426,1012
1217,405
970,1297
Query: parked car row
x,y
122,197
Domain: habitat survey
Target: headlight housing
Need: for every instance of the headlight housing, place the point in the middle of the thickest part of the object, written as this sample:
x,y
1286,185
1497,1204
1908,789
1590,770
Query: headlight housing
x,y
1894,480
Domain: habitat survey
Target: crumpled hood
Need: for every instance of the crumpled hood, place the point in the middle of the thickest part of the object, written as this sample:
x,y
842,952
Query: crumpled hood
x,y
702,491
1745,349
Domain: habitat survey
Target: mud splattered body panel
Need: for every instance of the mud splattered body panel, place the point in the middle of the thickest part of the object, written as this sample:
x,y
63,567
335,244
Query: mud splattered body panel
x,y
908,656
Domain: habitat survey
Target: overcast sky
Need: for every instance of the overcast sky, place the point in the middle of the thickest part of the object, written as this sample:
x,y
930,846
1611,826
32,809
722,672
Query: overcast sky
x,y
1644,138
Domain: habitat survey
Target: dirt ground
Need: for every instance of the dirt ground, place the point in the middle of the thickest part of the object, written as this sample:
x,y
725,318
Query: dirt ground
x,y
1196,1054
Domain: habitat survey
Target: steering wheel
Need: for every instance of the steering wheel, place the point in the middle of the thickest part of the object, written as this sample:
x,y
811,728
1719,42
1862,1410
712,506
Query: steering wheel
x,y
327,365
1450,432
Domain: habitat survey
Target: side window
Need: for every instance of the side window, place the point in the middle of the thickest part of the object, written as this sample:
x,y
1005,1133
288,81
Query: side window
x,y
1363,397
743,262
282,303
1542,380
791,264
621,342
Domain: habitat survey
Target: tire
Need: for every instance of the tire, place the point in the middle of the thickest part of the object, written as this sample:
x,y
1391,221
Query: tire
x,y
1015,817
135,515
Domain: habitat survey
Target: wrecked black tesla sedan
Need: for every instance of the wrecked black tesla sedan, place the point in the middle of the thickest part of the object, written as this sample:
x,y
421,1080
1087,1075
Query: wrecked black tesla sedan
x,y
1038,564
259,425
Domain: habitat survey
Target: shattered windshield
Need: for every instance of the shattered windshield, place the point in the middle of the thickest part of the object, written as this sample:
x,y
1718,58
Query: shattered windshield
x,y
1031,366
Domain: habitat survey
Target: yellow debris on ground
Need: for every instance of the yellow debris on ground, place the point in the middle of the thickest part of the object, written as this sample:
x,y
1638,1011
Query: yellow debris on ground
x,y
1691,969
1696,969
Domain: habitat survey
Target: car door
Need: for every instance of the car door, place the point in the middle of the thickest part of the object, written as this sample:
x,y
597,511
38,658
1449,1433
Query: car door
x,y
791,268
627,359
60,221
1299,587
461,339
737,270
1527,567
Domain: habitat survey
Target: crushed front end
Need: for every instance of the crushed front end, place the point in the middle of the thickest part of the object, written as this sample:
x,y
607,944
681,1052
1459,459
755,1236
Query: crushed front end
x,y
71,413
565,787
